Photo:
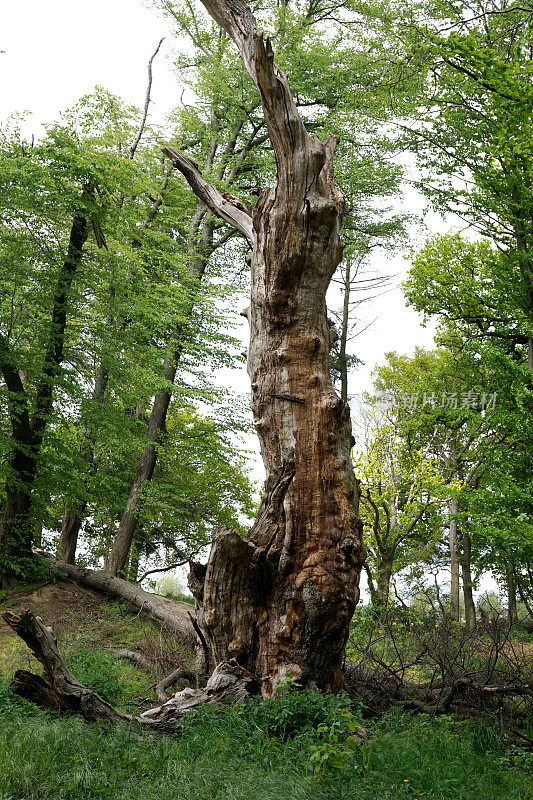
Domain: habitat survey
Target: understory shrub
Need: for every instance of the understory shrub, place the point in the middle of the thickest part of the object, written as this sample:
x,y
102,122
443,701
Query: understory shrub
x,y
293,711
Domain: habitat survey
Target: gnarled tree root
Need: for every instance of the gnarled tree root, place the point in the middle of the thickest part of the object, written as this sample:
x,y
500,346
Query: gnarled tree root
x,y
59,690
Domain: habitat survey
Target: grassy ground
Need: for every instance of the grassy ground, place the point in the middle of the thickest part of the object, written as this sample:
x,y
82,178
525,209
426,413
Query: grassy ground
x,y
302,745
230,755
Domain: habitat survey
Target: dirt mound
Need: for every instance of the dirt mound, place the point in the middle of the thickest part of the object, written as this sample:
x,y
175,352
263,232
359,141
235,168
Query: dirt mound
x,y
57,602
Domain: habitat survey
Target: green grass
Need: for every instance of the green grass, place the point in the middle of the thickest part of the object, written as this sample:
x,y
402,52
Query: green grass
x,y
233,754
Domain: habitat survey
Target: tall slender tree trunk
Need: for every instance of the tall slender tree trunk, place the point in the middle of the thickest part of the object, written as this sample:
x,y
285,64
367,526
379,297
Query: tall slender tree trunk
x,y
466,567
454,559
199,253
16,525
280,601
511,592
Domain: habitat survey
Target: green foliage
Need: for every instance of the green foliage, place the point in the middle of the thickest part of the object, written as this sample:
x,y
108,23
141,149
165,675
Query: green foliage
x,y
291,711
401,485
132,289
341,746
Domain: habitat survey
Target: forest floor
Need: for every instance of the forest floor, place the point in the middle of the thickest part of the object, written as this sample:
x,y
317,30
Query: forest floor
x,y
298,747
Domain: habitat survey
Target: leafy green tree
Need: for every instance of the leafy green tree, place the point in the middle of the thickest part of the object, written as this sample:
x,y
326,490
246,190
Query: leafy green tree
x,y
51,202
465,285
82,361
402,492
446,405
473,137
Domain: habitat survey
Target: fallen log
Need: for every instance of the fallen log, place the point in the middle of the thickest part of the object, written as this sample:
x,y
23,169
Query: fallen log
x,y
174,615
136,658
59,690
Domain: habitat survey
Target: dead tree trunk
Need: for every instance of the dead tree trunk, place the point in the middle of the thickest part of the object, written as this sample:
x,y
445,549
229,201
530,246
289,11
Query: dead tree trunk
x,y
280,601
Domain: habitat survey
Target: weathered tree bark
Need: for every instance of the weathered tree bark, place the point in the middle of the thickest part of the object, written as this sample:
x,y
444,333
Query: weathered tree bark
x,y
16,527
172,614
171,679
454,559
280,601
468,583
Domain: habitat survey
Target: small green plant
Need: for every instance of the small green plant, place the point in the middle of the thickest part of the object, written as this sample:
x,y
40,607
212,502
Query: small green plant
x,y
3,598
342,745
293,711
517,757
